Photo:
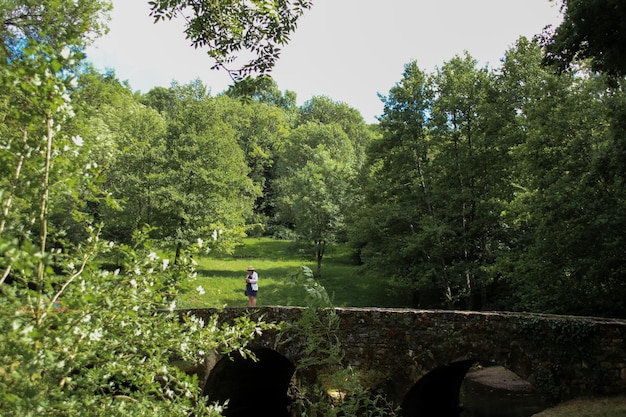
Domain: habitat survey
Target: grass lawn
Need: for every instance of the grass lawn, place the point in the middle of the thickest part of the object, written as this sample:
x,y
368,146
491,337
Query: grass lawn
x,y
276,261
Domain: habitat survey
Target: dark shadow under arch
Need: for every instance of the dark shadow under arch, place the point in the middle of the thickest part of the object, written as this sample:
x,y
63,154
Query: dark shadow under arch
x,y
251,387
436,394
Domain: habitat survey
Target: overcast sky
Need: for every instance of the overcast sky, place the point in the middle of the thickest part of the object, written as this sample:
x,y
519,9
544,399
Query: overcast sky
x,y
348,50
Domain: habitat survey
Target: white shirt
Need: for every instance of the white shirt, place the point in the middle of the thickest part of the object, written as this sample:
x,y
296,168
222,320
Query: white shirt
x,y
254,280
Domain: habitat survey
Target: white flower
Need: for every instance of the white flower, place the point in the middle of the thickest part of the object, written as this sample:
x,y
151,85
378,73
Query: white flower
x,y
82,286
153,256
166,262
200,242
200,290
86,318
214,235
96,335
133,283
136,308
78,141
66,52
137,271
172,306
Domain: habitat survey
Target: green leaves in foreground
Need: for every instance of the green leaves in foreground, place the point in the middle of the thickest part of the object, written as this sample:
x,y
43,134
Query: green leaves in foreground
x,y
104,349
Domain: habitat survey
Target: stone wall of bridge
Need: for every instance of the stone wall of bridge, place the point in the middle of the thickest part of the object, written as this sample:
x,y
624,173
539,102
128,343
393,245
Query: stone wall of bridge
x,y
562,356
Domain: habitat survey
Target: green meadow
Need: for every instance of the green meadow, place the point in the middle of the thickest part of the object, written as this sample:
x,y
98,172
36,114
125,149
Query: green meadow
x,y
277,262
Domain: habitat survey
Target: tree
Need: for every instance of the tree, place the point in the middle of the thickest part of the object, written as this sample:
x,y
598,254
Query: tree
x,y
314,200
261,129
258,28
130,156
313,176
469,182
201,188
263,89
434,183
395,183
591,29
568,205
78,339
316,169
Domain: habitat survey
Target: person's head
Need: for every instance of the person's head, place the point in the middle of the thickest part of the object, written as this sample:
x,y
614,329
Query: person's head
x,y
250,270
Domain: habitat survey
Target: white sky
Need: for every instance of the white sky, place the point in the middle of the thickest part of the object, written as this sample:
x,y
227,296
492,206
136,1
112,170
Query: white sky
x,y
348,50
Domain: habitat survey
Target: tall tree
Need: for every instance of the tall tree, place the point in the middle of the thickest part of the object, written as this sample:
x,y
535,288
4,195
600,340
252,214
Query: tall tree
x,y
468,163
591,29
566,257
203,189
395,186
313,176
324,110
439,173
261,130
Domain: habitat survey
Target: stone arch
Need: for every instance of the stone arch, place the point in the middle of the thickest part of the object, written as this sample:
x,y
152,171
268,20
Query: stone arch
x,y
251,387
436,394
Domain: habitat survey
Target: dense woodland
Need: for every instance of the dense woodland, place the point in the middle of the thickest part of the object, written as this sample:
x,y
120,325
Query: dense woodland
x,y
501,188
495,188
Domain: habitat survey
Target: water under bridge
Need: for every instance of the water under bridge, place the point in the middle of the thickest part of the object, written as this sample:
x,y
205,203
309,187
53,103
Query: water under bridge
x,y
420,357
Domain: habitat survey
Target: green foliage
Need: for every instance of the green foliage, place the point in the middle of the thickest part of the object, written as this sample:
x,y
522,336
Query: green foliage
x,y
178,167
262,89
434,184
81,337
498,184
260,129
227,27
591,29
327,386
316,170
567,208
98,344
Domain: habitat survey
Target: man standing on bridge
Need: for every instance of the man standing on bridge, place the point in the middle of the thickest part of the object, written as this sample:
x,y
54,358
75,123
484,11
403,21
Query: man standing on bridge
x,y
252,286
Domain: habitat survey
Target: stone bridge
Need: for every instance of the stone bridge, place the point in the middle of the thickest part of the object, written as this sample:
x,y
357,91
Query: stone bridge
x,y
419,358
